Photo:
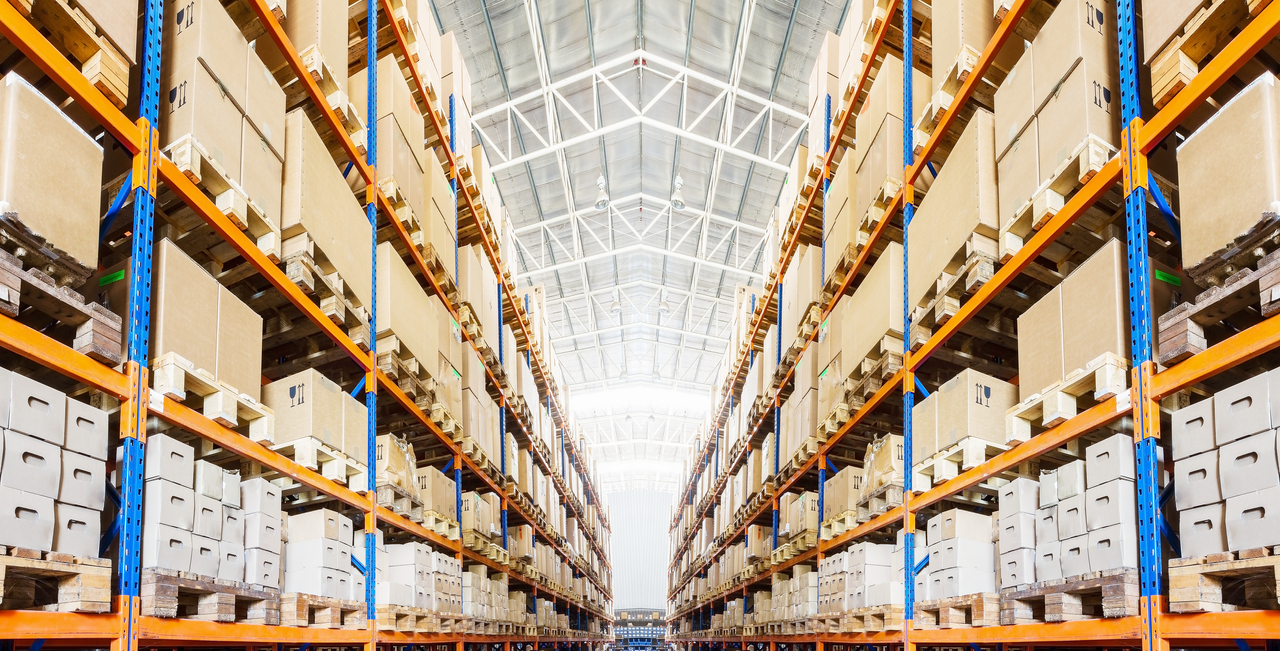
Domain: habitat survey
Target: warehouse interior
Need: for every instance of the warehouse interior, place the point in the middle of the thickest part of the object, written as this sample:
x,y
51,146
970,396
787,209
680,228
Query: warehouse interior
x,y
692,325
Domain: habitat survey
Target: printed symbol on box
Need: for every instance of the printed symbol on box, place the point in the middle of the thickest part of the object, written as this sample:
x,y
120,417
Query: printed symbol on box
x,y
982,394
1102,97
298,394
1094,16
177,97
185,16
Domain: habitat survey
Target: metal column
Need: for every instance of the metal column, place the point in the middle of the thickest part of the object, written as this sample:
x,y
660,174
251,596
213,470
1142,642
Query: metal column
x,y
371,379
133,420
908,377
1146,414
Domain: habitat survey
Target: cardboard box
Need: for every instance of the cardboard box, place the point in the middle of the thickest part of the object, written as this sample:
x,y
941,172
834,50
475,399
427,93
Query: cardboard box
x,y
957,581
264,109
1074,555
209,479
258,495
1071,479
1095,303
1015,105
1251,521
1197,482
50,171
1230,171
1248,464
263,166
1159,27
965,25
86,429
962,552
208,517
77,530
306,404
1111,547
1110,459
1072,517
1021,495
973,404
958,523
83,482
395,100
1048,487
1193,431
37,410
31,465
166,547
206,556
322,24
185,301
321,523
1048,561
924,428
1112,503
401,306
1017,531
262,531
1047,523
194,99
1017,567
318,201
232,525
1201,530
231,488
1079,33
231,561
355,428
167,503
879,297
1242,410
961,201
312,553
261,567
1040,353
884,99
1018,169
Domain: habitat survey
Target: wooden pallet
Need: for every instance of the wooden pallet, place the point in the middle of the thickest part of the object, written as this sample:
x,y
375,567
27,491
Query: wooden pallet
x,y
74,34
873,618
312,611
54,581
869,375
178,379
968,611
880,500
312,453
1225,581
839,524
303,266
403,367
403,619
323,73
89,327
1086,159
1107,594
1105,376
443,418
399,500
195,163
969,452
166,593
441,525
1178,61
974,266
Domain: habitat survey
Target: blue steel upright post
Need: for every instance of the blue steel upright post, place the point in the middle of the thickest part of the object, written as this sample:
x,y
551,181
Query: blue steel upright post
x,y
133,420
908,376
502,422
371,380
1146,414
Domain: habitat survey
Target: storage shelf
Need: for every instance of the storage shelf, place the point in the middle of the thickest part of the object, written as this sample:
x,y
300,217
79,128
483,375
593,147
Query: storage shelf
x,y
1188,630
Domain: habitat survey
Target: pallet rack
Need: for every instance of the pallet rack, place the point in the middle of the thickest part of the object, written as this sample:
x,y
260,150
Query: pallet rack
x,y
1154,628
125,628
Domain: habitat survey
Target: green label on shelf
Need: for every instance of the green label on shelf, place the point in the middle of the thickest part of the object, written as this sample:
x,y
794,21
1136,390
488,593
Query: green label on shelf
x,y
1168,278
455,372
111,278
823,373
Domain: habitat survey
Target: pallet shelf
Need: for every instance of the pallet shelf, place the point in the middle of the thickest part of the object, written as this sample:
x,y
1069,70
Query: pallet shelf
x,y
24,341
1208,629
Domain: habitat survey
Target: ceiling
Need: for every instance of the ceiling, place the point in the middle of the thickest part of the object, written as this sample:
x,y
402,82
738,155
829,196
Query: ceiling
x,y
712,92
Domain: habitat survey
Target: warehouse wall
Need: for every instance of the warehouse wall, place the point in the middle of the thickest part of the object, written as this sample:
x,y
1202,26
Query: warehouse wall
x,y
640,519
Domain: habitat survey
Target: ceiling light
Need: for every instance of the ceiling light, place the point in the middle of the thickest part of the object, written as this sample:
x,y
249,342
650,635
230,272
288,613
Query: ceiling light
x,y
677,197
602,197
663,306
615,307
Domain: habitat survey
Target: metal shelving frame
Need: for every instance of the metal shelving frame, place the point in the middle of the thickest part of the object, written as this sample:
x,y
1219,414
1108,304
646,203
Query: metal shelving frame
x,y
125,629
1154,629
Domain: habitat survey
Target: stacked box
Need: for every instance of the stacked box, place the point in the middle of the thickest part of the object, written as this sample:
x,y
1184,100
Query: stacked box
x,y
842,492
1224,456
401,155
317,557
971,404
396,464
439,493
455,93
260,502
878,151
870,580
962,556
824,93
53,474
309,405
882,463
1019,505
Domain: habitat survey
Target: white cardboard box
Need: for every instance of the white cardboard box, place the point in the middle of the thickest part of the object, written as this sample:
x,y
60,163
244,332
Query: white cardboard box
x,y
209,479
1253,520
1201,530
1047,524
31,465
165,502
958,523
171,459
261,496
1017,531
86,429
84,481
209,517
233,525
37,410
261,567
1110,459
321,523
1112,503
1070,478
206,556
1018,567
26,519
166,546
1021,495
1193,430
261,531
1248,464
1242,410
316,552
231,563
1197,481
1071,517
77,530
1048,561
1113,547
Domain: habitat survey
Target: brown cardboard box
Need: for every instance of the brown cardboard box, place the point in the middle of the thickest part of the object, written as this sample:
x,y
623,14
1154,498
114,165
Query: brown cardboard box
x,y
50,171
1015,101
306,404
1161,24
239,344
883,162
264,103
962,201
838,223
1018,171
192,103
1078,30
1230,171
878,302
118,21
323,24
403,307
1087,104
1040,345
398,164
885,99
201,31
394,98
264,172
973,404
318,201
184,302
355,428
966,23
1095,308
455,78
924,428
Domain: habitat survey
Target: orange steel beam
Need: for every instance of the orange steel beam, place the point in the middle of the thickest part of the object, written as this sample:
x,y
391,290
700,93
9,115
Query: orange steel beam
x,y
1240,347
1243,624
1089,632
40,348
39,625
160,629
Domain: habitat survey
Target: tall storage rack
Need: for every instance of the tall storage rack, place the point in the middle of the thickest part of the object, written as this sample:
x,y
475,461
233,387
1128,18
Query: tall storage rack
x,y
125,629
1154,628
